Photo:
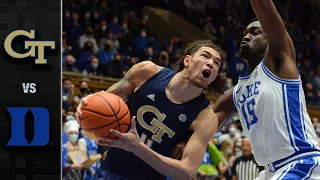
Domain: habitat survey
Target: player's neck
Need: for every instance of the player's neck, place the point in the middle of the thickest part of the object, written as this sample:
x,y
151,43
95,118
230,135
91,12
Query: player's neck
x,y
254,62
180,90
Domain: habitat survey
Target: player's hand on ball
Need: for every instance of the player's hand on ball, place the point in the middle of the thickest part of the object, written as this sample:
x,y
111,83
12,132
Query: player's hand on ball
x,y
127,141
83,102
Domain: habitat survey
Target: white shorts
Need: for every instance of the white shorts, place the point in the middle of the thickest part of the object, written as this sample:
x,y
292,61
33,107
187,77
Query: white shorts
x,y
302,169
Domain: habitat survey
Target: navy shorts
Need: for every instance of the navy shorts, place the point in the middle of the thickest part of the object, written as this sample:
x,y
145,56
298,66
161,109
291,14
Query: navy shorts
x,y
104,173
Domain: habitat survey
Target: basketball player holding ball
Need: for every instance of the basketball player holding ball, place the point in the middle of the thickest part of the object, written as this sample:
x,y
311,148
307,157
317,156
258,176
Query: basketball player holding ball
x,y
165,106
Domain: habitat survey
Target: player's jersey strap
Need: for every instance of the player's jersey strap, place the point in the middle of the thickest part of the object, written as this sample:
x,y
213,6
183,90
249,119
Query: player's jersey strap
x,y
277,79
234,93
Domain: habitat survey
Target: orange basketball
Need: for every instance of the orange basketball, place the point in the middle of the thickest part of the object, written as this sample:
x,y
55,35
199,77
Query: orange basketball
x,y
103,112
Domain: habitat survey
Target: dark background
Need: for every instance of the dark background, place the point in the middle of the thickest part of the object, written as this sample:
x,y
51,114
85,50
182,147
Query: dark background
x,y
19,163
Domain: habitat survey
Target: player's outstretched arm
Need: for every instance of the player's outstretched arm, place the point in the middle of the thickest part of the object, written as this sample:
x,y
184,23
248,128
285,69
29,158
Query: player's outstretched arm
x,y
204,127
280,52
273,27
224,107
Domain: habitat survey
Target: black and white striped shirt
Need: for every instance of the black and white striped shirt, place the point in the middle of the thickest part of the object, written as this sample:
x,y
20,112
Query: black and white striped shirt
x,y
246,168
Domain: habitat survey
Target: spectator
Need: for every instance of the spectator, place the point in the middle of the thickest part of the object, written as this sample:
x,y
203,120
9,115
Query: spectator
x,y
174,58
245,167
70,170
209,29
66,48
237,152
69,65
208,169
309,92
133,22
229,83
70,113
153,42
173,45
141,43
97,18
86,53
94,68
116,68
317,99
225,165
163,59
237,67
69,117
67,14
125,40
317,79
89,147
132,62
74,31
106,54
87,19
74,103
64,114
114,41
104,7
67,93
238,142
233,134
149,55
101,31
89,36
114,26
64,137
84,89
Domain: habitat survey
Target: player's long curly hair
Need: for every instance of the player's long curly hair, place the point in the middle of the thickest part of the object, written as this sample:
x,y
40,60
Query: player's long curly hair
x,y
219,84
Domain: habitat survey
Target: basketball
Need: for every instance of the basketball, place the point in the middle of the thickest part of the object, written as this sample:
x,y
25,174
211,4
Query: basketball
x,y
104,111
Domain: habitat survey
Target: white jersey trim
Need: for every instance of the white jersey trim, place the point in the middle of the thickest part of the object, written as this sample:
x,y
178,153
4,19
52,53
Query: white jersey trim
x,y
244,77
277,79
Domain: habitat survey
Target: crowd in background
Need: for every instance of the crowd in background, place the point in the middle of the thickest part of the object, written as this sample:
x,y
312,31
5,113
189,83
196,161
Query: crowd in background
x,y
107,37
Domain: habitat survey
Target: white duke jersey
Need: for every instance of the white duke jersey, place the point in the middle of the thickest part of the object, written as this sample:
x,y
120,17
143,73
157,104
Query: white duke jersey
x,y
274,116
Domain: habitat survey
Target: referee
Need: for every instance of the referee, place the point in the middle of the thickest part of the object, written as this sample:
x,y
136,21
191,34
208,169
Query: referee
x,y
245,167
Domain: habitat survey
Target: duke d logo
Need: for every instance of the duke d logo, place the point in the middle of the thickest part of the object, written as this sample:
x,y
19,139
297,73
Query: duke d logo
x,y
40,45
18,121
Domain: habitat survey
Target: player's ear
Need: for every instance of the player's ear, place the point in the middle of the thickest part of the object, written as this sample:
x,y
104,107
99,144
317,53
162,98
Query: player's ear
x,y
186,60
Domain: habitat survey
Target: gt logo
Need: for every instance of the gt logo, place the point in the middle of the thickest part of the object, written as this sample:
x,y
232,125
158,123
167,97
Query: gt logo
x,y
156,126
33,45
